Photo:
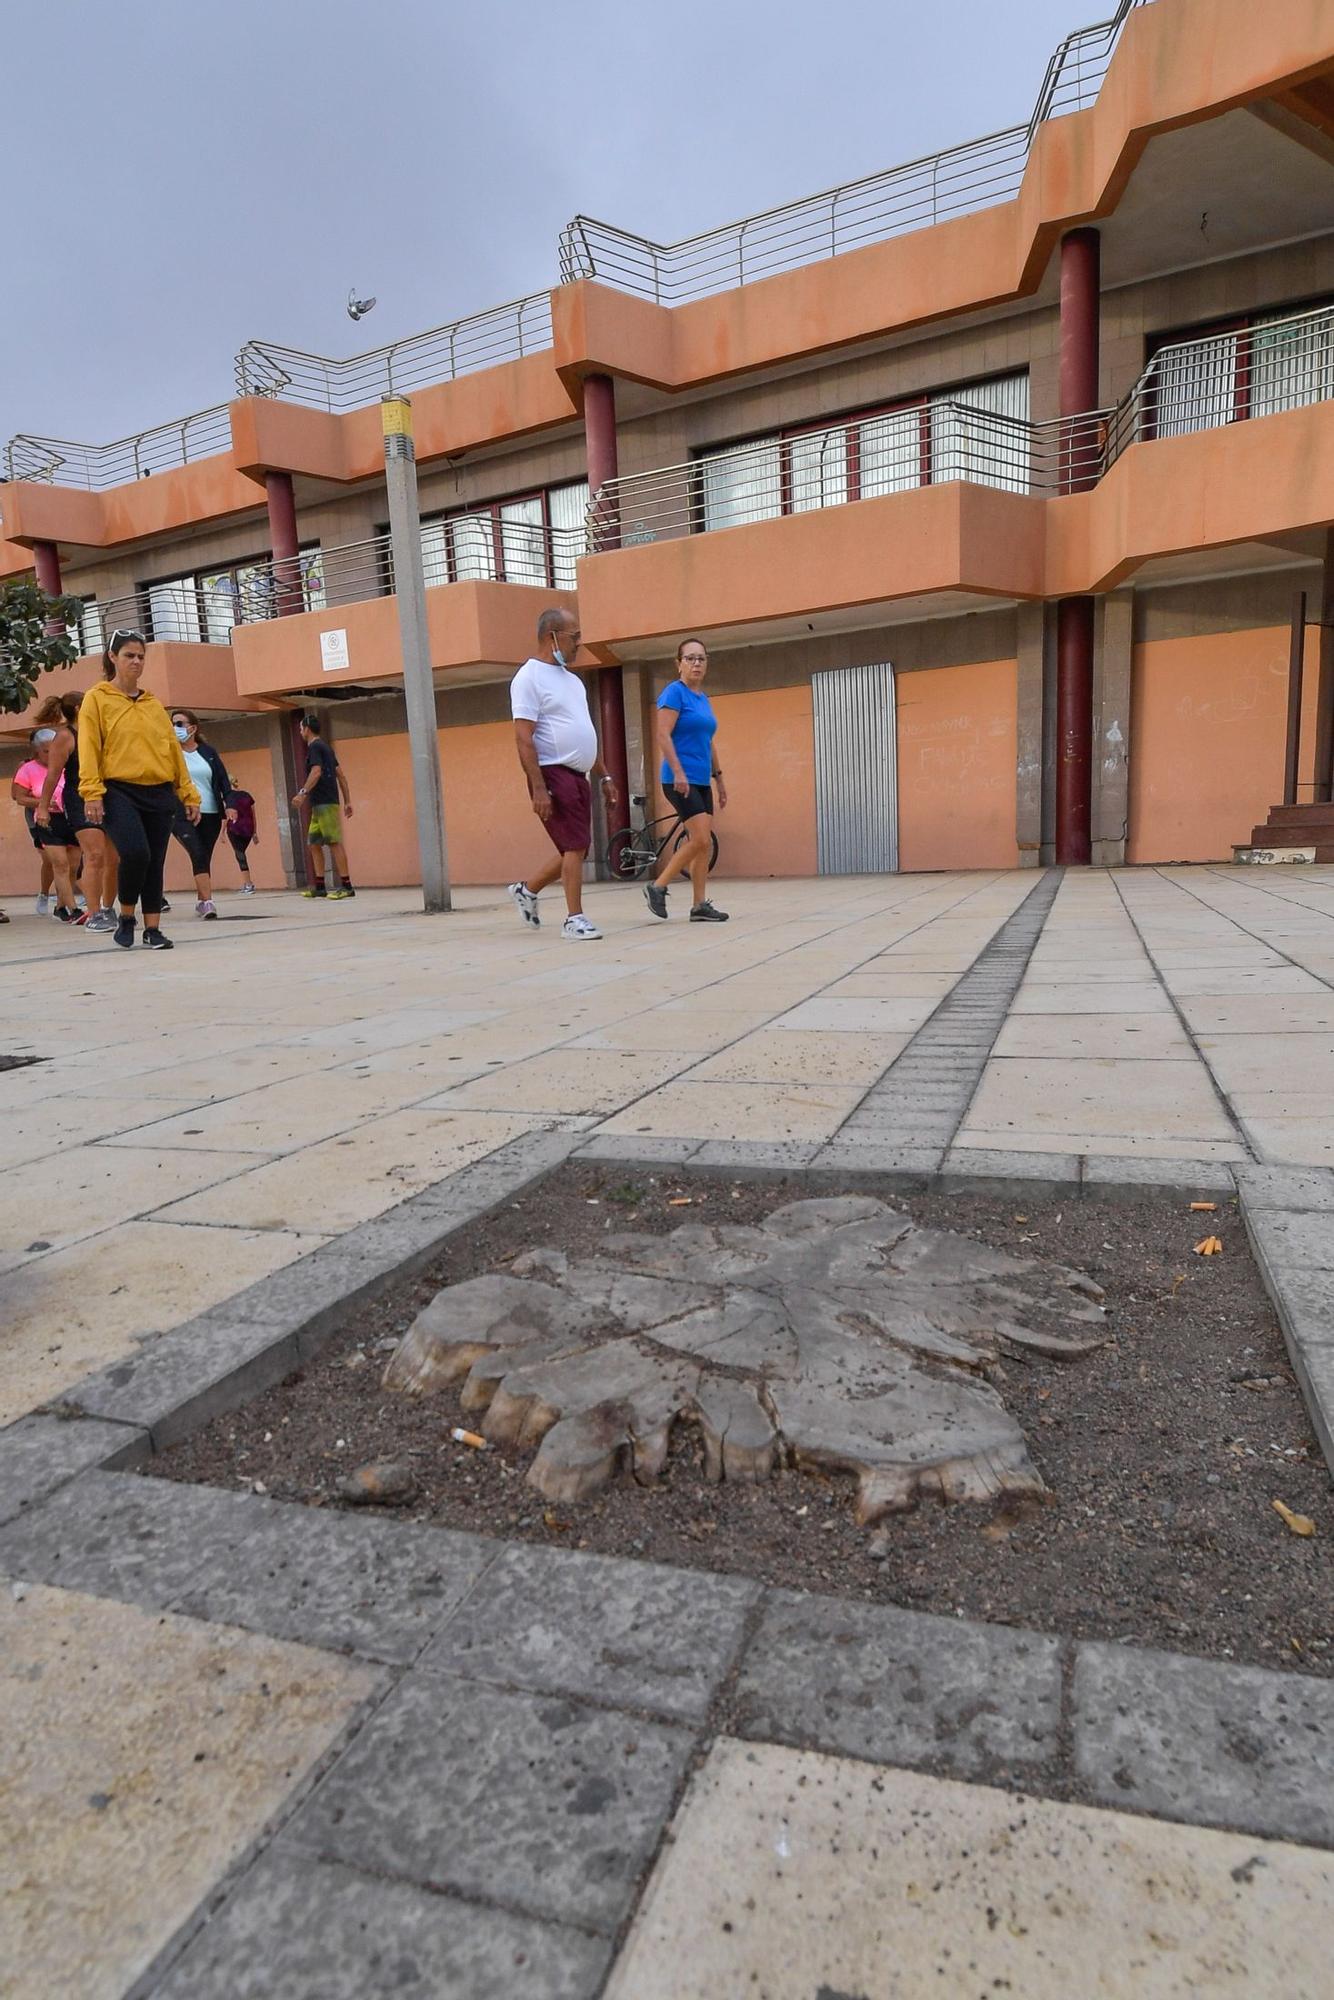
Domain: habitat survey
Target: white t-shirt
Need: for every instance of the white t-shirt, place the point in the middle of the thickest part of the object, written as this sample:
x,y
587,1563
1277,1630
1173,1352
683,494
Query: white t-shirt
x,y
556,702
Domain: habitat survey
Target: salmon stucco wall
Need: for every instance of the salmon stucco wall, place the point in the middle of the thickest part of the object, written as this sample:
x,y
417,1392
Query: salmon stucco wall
x,y
958,731
493,833
766,750
1208,732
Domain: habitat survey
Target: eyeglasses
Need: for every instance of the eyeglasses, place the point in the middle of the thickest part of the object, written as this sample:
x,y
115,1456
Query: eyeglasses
x,y
124,638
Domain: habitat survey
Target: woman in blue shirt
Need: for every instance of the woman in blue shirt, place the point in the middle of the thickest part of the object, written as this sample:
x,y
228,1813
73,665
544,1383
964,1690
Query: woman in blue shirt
x,y
690,777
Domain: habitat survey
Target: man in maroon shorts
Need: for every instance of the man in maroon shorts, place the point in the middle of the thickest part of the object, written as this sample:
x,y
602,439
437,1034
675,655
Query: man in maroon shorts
x,y
558,748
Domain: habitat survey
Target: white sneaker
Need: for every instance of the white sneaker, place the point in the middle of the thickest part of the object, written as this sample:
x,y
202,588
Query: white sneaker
x,y
208,909
525,902
42,907
247,888
80,902
579,927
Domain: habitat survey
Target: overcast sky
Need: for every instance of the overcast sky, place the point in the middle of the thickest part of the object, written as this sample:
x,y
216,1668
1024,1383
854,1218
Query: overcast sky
x,y
184,176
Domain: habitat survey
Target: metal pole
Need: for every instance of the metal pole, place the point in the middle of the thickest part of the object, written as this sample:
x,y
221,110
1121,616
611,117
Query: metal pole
x,y
405,541
1296,662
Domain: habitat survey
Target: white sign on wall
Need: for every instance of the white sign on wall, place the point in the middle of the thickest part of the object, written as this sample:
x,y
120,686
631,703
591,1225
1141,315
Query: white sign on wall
x,y
333,651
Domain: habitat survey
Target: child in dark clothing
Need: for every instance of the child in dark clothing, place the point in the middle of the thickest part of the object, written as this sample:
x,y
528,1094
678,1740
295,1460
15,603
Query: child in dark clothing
x,y
241,833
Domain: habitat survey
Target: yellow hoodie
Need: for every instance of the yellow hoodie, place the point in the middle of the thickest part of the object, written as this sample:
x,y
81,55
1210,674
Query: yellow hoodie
x,y
130,738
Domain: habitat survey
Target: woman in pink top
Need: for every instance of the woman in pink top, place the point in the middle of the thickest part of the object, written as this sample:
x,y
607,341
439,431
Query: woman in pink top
x,y
54,841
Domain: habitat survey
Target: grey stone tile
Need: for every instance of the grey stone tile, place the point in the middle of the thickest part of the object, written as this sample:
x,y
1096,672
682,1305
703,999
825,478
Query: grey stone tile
x,y
1313,1366
650,1150
988,1165
899,1687
754,1155
1204,1741
38,1454
635,1634
375,1587
1296,1188
117,1535
1293,1242
1110,1173
871,1155
180,1380
300,1929
528,1800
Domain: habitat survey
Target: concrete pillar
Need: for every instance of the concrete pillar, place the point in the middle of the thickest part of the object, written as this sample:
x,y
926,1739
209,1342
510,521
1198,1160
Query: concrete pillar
x,y
283,543
600,449
1080,268
1114,634
46,563
1324,709
1030,652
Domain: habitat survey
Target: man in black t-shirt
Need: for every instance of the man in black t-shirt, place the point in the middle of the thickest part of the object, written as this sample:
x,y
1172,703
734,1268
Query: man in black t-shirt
x,y
324,782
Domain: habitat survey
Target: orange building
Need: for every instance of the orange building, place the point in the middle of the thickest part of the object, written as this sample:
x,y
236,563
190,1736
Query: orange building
x,y
1000,486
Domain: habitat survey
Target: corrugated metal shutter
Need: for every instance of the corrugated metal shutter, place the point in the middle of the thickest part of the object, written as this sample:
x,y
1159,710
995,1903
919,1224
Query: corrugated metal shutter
x,y
856,771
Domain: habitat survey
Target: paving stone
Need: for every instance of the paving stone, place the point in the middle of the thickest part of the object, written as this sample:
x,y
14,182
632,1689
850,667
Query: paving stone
x,y
794,1876
869,1154
295,1928
180,1380
1204,1741
1109,1173
618,1146
1293,1188
117,1535
379,1588
528,1800
1287,1242
637,1635
754,1155
986,1165
900,1687
39,1453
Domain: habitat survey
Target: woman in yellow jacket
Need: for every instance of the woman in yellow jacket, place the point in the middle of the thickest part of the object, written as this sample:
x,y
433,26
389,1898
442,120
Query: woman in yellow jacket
x,y
131,774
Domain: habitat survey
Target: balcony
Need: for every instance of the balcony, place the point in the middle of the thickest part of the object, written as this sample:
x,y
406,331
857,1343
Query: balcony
x,y
327,625
936,508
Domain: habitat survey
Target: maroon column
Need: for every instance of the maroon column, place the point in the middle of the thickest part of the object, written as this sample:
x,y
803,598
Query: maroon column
x,y
283,543
1324,705
1080,270
46,562
600,446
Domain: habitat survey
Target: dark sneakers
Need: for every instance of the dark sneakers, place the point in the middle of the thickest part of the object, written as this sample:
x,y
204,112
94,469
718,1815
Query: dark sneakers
x,y
704,913
125,932
156,942
656,899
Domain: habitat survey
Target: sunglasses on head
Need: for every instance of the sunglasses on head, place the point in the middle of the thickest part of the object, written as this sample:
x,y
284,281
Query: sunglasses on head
x,y
124,638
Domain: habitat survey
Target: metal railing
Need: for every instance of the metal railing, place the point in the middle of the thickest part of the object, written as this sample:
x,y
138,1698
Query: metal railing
x,y
1282,363
94,467
957,181
503,333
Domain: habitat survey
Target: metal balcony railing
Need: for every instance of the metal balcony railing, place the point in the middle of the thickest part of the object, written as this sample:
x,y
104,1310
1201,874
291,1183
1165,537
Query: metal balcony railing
x,y
94,467
955,182
1280,363
504,333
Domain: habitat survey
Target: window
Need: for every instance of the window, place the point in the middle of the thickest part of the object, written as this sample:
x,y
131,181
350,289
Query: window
x,y
86,631
920,443
202,609
1200,378
534,538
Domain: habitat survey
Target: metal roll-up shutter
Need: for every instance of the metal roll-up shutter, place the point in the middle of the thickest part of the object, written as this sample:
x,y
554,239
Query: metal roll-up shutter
x,y
856,771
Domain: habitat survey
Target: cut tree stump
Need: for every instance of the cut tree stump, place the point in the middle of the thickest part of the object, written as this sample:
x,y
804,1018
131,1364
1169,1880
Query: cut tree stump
x,y
837,1333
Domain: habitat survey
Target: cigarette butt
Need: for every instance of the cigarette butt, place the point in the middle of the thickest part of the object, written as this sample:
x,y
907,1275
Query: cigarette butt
x,y
680,1201
469,1437
1203,1207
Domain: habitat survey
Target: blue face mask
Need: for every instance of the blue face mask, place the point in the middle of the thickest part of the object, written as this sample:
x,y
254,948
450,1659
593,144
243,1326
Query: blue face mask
x,y
182,734
558,656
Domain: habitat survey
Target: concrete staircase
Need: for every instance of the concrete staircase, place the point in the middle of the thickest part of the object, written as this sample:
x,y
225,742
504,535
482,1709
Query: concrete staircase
x,y
1291,833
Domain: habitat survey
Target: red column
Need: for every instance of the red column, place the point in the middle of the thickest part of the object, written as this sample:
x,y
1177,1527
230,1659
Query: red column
x,y
1080,271
46,562
600,446
283,542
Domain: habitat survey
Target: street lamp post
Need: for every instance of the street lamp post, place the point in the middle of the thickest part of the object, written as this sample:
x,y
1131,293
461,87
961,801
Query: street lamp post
x,y
405,542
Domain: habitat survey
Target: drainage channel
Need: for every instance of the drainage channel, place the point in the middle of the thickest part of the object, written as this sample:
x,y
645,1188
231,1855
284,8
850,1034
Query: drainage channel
x,y
921,1100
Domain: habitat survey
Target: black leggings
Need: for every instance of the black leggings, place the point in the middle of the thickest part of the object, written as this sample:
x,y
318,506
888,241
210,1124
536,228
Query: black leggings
x,y
198,841
139,828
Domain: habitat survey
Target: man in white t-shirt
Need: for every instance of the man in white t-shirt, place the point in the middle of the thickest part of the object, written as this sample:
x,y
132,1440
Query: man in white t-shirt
x,y
558,748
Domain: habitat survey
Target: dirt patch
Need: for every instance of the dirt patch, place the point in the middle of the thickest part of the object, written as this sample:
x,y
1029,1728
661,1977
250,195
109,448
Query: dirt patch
x,y
1164,1452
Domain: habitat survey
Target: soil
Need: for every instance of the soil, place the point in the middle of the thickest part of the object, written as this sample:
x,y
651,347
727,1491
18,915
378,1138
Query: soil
x,y
1164,1452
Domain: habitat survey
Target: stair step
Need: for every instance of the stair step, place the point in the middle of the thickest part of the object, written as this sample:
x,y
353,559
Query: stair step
x,y
1283,853
1309,814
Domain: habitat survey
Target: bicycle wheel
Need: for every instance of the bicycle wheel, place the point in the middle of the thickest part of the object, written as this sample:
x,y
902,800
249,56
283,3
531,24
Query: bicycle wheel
x,y
630,855
681,840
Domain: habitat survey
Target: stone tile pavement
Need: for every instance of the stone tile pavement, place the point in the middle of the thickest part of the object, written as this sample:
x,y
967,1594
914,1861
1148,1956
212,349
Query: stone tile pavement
x,y
308,1755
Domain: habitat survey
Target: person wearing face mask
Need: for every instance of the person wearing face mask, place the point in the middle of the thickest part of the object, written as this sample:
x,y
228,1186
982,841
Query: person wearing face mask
x,y
558,749
692,781
132,774
215,803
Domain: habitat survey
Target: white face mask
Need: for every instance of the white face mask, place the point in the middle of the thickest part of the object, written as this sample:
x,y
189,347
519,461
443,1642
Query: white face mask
x,y
182,733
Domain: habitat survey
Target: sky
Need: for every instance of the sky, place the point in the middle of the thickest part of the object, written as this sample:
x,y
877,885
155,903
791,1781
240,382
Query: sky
x,y
185,176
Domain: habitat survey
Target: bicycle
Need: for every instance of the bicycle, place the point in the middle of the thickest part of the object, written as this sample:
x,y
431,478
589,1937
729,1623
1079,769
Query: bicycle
x,y
637,851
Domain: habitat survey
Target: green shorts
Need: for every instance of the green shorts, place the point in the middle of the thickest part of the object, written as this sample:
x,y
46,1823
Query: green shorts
x,y
326,826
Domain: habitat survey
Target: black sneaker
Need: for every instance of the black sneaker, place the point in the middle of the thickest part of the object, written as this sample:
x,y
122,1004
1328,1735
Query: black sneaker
x,y
125,932
656,899
165,906
63,916
156,942
704,913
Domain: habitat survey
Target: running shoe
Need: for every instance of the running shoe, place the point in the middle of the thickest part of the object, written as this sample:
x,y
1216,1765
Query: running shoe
x,y
165,907
579,927
525,902
124,933
315,895
705,913
42,906
656,899
63,916
156,942
341,895
101,921
247,888
208,909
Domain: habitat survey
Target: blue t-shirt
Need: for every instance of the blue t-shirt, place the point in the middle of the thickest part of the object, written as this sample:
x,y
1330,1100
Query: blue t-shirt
x,y
693,735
